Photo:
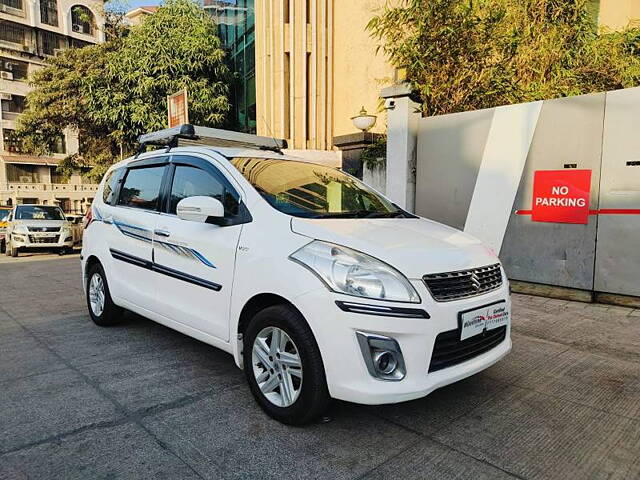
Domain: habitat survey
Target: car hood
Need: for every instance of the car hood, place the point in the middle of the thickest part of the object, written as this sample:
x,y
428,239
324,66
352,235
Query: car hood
x,y
415,246
41,223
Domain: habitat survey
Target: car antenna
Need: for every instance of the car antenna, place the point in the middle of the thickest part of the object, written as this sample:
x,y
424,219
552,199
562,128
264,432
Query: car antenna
x,y
276,148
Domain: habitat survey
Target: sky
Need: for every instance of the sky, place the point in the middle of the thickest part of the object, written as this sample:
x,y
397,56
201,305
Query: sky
x,y
131,4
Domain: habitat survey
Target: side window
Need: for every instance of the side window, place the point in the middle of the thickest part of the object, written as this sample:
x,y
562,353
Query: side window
x,y
110,184
141,188
191,181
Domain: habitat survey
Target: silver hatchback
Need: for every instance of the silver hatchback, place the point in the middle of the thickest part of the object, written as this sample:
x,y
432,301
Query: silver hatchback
x,y
38,227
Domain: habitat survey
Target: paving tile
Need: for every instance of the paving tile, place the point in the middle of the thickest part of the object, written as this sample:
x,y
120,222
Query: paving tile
x,y
231,433
428,459
41,406
528,354
635,313
606,383
163,376
79,341
540,437
440,408
605,334
21,355
124,451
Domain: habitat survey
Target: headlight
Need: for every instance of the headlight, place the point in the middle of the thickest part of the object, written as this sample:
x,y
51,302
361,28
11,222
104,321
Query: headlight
x,y
347,271
21,229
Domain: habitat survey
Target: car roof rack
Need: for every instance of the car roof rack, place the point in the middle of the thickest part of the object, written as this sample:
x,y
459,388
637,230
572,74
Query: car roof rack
x,y
186,134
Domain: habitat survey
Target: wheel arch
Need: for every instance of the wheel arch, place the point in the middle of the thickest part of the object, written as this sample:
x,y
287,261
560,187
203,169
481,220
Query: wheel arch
x,y
91,261
251,307
256,303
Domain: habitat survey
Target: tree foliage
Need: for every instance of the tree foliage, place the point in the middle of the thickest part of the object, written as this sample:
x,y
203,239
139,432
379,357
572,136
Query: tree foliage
x,y
113,92
469,54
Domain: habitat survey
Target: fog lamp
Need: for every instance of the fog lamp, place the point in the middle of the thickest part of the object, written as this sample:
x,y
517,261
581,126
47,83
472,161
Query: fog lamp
x,y
383,356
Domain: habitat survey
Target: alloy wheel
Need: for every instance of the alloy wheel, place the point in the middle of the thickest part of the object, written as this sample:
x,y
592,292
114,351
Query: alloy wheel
x,y
277,366
96,294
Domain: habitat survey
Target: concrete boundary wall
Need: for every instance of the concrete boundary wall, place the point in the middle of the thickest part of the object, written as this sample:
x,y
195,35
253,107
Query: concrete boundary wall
x,y
474,171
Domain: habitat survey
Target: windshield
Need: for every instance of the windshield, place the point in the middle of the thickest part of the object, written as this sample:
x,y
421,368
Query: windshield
x,y
313,191
38,212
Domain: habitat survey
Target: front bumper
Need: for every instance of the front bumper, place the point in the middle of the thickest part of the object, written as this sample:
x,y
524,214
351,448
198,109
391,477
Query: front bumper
x,y
29,241
347,375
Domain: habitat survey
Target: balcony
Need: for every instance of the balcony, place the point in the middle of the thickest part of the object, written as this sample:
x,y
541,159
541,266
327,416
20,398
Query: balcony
x,y
49,187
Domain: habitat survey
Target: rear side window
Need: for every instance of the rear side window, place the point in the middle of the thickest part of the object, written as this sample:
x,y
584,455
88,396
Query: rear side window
x,y
110,184
191,181
141,188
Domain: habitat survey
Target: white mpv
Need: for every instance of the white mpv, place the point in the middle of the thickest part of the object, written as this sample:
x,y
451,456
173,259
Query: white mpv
x,y
318,286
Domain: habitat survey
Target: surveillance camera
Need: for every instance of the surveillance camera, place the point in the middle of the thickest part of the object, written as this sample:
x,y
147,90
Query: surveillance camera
x,y
389,104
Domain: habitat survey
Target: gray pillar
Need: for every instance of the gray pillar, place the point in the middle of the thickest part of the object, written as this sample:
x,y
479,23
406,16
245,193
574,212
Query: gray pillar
x,y
402,129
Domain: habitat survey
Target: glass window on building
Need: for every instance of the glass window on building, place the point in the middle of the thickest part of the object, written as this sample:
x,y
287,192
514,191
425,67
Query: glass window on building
x,y
58,145
49,12
49,43
12,143
236,27
15,34
82,20
12,5
19,70
17,104
58,177
17,173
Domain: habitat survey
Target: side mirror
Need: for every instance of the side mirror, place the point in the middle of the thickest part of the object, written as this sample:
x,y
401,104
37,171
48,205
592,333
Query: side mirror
x,y
200,209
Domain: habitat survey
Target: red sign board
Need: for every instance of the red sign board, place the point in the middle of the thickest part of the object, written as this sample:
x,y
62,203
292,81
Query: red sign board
x,y
178,108
561,196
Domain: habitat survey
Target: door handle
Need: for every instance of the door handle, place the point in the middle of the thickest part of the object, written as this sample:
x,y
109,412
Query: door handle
x,y
108,220
162,233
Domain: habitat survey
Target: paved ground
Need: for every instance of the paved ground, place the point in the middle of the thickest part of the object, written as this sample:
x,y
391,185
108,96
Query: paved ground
x,y
142,401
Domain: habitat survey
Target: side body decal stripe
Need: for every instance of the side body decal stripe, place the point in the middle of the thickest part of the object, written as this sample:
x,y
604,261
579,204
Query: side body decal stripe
x,y
170,272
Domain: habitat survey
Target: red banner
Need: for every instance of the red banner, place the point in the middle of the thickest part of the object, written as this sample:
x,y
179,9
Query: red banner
x,y
561,196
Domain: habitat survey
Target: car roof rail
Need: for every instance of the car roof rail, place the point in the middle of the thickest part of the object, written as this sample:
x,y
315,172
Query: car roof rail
x,y
187,134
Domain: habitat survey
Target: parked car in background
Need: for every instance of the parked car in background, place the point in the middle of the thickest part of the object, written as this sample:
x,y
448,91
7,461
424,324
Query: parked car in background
x,y
37,227
4,215
319,286
76,222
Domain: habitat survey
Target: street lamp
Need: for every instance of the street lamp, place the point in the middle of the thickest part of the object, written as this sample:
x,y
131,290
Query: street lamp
x,y
364,121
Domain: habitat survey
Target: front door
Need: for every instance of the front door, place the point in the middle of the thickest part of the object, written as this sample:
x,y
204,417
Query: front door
x,y
195,260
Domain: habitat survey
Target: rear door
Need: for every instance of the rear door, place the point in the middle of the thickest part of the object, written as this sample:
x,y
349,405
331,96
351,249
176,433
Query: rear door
x,y
197,260
130,218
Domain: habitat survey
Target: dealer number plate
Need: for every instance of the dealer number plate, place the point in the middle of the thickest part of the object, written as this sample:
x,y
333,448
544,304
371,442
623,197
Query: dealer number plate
x,y
478,320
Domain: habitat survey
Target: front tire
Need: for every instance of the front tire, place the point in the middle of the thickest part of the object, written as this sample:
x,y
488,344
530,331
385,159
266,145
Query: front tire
x,y
11,251
283,366
102,310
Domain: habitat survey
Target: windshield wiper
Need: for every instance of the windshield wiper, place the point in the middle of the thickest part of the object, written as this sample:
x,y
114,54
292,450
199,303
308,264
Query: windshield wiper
x,y
361,214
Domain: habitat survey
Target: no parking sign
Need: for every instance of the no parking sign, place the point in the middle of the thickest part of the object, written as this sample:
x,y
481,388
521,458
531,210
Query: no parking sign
x,y
561,196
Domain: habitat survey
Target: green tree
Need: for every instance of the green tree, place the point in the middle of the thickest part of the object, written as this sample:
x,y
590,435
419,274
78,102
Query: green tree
x,y
115,91
469,54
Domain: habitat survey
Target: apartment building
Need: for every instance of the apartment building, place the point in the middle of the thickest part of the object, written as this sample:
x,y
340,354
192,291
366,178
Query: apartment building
x,y
30,32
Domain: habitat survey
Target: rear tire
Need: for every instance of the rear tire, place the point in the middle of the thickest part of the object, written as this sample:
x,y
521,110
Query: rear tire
x,y
102,310
306,395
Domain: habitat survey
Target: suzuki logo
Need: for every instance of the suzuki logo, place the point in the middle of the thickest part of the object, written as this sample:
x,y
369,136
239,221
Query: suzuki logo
x,y
475,282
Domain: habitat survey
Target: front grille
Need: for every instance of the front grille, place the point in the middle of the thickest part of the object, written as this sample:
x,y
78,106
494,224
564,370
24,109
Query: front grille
x,y
33,239
44,229
449,350
445,287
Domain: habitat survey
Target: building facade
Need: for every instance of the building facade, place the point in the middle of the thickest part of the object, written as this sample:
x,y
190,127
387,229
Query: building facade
x,y
317,66
30,32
